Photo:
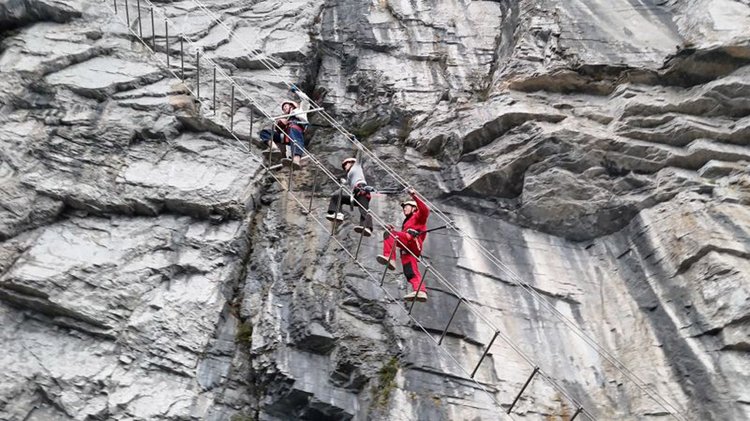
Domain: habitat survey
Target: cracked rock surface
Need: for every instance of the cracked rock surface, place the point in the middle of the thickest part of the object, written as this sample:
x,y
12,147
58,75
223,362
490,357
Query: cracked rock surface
x,y
599,152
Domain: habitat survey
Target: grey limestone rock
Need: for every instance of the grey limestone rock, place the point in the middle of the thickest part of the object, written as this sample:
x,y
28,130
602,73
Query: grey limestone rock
x,y
595,154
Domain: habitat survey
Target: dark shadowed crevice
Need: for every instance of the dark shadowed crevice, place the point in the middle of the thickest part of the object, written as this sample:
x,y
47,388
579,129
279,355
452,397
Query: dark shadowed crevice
x,y
705,386
18,13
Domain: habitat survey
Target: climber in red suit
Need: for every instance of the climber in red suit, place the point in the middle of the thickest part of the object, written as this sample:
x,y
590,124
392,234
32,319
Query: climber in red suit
x,y
410,239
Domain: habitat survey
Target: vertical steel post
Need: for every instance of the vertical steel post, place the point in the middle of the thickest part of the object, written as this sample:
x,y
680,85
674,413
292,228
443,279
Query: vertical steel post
x,y
166,36
231,111
455,310
525,385
338,209
578,411
252,117
182,60
115,2
359,244
390,257
484,354
153,30
198,75
315,184
291,173
214,89
282,149
127,14
140,27
421,282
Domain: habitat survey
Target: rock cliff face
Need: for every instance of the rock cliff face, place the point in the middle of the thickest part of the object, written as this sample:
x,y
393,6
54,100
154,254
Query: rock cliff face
x,y
152,270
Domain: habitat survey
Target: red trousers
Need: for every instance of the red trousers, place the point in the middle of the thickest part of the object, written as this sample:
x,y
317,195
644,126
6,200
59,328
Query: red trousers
x,y
410,263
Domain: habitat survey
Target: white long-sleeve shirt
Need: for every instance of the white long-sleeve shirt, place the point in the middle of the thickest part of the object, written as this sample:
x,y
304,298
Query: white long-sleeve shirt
x,y
355,176
304,106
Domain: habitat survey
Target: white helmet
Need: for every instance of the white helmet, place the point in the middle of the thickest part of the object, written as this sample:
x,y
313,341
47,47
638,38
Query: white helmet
x,y
292,103
347,161
409,202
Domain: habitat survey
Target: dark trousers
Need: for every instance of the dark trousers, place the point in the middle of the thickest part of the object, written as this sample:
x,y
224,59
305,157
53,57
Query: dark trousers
x,y
362,201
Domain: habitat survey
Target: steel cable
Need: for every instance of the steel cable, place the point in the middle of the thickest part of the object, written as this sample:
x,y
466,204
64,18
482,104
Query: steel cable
x,y
516,279
619,365
326,229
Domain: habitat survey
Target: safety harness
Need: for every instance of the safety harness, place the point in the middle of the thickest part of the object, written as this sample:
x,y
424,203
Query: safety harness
x,y
363,190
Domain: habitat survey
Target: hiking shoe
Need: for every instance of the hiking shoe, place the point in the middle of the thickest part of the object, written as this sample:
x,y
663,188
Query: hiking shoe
x,y
384,261
275,153
365,231
420,296
332,216
286,162
296,162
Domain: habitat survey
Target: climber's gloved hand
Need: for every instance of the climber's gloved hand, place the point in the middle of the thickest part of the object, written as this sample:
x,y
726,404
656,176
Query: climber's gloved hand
x,y
412,232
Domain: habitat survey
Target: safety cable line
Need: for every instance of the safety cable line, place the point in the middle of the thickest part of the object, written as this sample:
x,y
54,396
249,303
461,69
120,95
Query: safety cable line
x,y
395,175
448,284
436,272
530,290
439,275
562,391
382,223
257,53
326,229
655,396
320,164
619,365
